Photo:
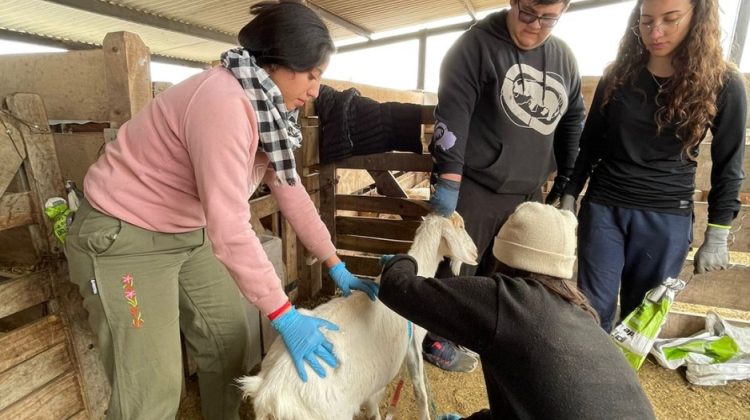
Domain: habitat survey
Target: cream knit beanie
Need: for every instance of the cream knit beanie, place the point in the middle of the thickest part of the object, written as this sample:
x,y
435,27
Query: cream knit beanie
x,y
540,239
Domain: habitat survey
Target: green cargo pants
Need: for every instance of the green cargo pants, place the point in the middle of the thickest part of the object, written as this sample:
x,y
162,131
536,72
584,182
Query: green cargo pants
x,y
140,289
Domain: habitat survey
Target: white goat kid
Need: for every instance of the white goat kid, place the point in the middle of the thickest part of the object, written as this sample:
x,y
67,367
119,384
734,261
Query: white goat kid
x,y
371,345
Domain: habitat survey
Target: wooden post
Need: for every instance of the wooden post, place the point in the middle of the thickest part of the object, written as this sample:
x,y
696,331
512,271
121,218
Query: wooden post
x,y
126,64
41,167
328,182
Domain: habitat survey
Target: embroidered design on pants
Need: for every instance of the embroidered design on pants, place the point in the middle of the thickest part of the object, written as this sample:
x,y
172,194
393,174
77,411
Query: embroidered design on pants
x,y
130,296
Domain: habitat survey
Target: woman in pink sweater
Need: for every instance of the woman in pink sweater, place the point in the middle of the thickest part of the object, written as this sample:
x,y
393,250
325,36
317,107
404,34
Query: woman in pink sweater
x,y
165,224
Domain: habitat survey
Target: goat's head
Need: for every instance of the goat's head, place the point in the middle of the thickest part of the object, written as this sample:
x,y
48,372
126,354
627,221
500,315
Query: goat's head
x,y
440,237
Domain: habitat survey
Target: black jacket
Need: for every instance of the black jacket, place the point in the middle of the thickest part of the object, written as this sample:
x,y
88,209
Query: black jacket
x,y
356,125
542,356
507,118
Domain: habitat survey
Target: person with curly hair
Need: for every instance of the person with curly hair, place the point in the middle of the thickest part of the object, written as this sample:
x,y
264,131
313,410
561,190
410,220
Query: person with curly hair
x,y
668,87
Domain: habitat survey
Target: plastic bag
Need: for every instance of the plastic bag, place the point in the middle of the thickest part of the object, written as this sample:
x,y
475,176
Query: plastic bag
x,y
713,357
57,210
636,334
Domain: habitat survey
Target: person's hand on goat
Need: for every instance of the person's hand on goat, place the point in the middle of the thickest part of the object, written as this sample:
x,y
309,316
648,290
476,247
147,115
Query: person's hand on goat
x,y
714,252
445,196
347,281
305,342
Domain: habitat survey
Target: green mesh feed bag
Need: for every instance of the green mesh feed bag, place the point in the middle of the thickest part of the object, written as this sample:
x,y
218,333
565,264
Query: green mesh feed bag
x,y
56,209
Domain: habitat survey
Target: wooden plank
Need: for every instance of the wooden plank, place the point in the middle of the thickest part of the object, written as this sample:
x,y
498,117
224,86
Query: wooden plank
x,y
24,292
72,83
25,342
739,239
372,245
11,155
59,400
310,146
328,206
83,342
386,184
403,230
392,161
127,70
685,320
362,265
290,251
428,114
376,93
264,206
81,415
680,325
16,209
24,378
723,289
309,270
76,152
389,205
41,166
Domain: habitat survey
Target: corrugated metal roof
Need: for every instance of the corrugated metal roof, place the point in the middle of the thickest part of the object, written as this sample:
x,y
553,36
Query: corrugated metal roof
x,y
70,20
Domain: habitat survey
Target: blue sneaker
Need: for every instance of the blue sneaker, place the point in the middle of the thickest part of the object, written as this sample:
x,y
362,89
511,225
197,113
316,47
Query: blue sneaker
x,y
448,356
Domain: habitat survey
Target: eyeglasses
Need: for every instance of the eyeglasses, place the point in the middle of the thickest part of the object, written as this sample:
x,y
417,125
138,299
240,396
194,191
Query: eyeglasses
x,y
667,26
544,21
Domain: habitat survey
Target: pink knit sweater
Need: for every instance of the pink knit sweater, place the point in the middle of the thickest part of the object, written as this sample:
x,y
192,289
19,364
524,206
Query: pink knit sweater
x,y
190,159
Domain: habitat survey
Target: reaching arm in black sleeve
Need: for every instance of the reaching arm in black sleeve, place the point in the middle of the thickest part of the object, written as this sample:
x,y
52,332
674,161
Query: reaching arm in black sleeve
x,y
592,139
727,151
568,131
463,310
459,90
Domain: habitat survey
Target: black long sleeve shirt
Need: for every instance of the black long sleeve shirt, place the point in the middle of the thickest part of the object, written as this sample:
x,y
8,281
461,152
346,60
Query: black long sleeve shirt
x,y
542,356
632,166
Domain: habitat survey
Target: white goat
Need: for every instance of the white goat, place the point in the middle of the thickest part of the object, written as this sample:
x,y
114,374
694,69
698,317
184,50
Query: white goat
x,y
371,345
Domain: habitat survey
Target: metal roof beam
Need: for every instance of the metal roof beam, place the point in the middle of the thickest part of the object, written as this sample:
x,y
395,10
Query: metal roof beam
x,y
77,46
740,33
338,20
574,7
469,8
591,4
148,19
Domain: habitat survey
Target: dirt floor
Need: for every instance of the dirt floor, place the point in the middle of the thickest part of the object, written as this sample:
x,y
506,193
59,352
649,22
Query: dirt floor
x,y
670,393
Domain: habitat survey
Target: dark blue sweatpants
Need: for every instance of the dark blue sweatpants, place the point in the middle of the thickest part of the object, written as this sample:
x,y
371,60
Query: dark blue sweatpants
x,y
627,249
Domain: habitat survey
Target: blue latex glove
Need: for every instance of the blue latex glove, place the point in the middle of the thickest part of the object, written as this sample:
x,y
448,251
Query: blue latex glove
x,y
384,259
347,281
714,253
305,342
445,197
449,416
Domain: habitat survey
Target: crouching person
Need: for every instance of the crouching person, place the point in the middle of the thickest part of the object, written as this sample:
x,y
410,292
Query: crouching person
x,y
542,350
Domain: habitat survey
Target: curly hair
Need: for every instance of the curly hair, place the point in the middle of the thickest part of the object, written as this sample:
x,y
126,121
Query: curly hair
x,y
700,74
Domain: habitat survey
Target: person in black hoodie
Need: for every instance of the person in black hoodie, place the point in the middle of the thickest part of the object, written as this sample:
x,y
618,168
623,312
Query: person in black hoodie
x,y
668,86
509,114
542,351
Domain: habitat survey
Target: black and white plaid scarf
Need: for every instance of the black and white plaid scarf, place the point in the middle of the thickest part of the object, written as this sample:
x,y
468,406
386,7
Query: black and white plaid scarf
x,y
279,132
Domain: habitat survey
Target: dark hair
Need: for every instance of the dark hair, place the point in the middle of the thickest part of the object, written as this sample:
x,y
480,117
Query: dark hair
x,y
548,2
554,284
286,33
